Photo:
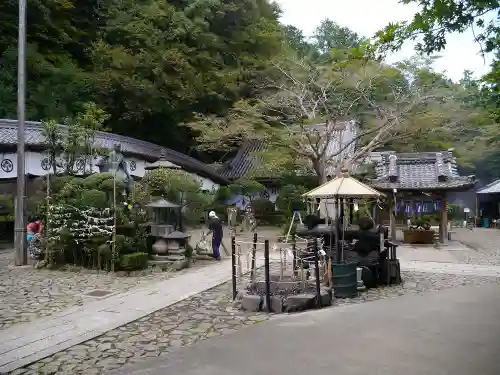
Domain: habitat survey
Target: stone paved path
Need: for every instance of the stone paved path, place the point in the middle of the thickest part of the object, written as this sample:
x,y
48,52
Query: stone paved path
x,y
27,294
23,344
206,315
201,316
483,243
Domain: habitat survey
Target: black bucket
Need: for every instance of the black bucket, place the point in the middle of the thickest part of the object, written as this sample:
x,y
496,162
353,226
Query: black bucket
x,y
345,280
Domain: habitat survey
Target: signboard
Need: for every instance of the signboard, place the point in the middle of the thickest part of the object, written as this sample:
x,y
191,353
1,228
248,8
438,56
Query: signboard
x,y
466,210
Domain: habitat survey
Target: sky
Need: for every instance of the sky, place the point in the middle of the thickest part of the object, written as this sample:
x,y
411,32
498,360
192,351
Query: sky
x,y
368,16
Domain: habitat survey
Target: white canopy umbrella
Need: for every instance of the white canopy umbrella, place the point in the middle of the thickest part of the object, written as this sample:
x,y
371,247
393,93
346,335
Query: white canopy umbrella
x,y
333,195
340,188
343,187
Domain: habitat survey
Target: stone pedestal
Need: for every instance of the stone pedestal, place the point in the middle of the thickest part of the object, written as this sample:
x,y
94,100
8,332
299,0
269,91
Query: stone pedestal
x,y
172,252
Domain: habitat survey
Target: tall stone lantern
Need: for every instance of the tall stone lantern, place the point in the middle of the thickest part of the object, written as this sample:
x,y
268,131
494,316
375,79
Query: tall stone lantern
x,y
170,244
163,163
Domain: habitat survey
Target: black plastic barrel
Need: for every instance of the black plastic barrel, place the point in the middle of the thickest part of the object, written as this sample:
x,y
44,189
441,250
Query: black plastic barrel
x,y
344,277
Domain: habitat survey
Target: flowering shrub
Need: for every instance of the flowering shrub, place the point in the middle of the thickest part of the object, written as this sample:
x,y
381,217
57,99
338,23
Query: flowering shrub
x,y
82,224
78,231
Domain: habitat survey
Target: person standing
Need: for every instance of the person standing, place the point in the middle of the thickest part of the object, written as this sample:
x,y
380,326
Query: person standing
x,y
215,228
34,239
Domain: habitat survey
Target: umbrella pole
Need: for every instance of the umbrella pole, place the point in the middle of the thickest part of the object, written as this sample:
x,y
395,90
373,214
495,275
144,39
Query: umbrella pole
x,y
337,230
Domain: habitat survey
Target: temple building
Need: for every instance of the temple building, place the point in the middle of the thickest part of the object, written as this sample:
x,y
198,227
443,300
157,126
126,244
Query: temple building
x,y
138,155
420,183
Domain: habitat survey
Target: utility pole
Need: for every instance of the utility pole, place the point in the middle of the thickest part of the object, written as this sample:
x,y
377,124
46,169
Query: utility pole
x,y
21,256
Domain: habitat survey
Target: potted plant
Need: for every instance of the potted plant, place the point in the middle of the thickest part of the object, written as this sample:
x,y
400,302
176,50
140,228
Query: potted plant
x,y
419,232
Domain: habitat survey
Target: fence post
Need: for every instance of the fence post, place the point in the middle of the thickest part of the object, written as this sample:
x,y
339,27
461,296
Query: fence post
x,y
254,254
233,265
267,276
316,266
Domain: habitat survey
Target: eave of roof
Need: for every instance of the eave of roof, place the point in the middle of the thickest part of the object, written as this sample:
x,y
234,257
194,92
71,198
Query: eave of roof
x,y
131,146
420,171
491,188
456,184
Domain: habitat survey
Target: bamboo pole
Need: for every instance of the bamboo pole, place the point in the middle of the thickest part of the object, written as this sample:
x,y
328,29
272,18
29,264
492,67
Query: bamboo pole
x,y
113,251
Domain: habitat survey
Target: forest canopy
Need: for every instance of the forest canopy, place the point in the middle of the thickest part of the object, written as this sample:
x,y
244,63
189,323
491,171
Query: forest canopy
x,y
170,72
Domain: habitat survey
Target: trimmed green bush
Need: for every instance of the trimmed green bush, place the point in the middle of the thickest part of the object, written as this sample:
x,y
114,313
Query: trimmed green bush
x,y
134,261
188,253
262,207
107,185
94,180
119,243
94,198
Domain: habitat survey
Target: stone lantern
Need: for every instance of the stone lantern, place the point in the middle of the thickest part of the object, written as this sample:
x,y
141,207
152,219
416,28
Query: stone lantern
x,y
165,215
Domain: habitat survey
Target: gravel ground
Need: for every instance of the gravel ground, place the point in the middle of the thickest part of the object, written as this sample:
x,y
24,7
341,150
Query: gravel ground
x,y
27,293
483,244
209,314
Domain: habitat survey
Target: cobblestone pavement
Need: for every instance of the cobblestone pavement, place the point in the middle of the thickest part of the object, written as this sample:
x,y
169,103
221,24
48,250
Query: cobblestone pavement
x,y
27,293
484,245
209,314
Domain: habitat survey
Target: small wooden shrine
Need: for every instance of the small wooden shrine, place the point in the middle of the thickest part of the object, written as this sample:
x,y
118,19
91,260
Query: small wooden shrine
x,y
417,184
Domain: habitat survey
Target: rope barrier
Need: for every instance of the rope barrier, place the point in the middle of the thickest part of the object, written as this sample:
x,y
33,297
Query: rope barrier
x,y
249,243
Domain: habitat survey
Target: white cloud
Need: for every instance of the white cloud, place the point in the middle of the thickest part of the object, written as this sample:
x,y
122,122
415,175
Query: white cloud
x,y
368,16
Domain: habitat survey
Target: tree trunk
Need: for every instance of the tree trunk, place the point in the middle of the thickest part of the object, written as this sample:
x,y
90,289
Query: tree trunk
x,y
320,170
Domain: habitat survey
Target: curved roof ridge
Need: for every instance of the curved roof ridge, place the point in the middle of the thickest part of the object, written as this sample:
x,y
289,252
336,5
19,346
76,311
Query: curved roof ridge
x,y
130,145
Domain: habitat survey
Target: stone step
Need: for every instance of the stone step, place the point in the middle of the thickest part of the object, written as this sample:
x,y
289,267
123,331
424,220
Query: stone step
x,y
176,252
175,264
170,258
176,258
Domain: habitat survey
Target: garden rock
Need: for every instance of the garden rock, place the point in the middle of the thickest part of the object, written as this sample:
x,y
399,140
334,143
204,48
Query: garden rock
x,y
326,297
299,302
251,302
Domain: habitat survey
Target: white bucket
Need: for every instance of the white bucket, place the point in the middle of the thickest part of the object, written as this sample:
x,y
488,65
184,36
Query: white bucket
x,y
359,273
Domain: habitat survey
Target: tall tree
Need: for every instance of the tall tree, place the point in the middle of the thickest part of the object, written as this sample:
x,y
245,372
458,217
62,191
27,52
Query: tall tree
x,y
329,35
303,108
438,18
431,26
297,41
148,63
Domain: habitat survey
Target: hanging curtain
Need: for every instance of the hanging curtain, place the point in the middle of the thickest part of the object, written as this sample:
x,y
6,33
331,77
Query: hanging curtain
x,y
408,208
427,207
438,205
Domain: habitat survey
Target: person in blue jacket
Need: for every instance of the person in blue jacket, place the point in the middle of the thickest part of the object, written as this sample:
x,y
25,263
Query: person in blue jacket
x,y
215,228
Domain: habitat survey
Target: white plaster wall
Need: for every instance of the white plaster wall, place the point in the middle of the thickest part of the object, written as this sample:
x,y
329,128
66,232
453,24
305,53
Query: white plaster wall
x,y
241,201
207,184
33,166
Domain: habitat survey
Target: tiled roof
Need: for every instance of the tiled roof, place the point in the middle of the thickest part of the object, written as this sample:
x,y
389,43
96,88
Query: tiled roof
x,y
245,158
146,150
492,188
419,171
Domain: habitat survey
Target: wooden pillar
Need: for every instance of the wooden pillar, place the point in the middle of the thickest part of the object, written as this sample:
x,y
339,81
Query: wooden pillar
x,y
351,211
412,209
392,217
443,224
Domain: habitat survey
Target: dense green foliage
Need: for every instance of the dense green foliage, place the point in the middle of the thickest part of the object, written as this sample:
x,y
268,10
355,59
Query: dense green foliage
x,y
147,63
430,28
